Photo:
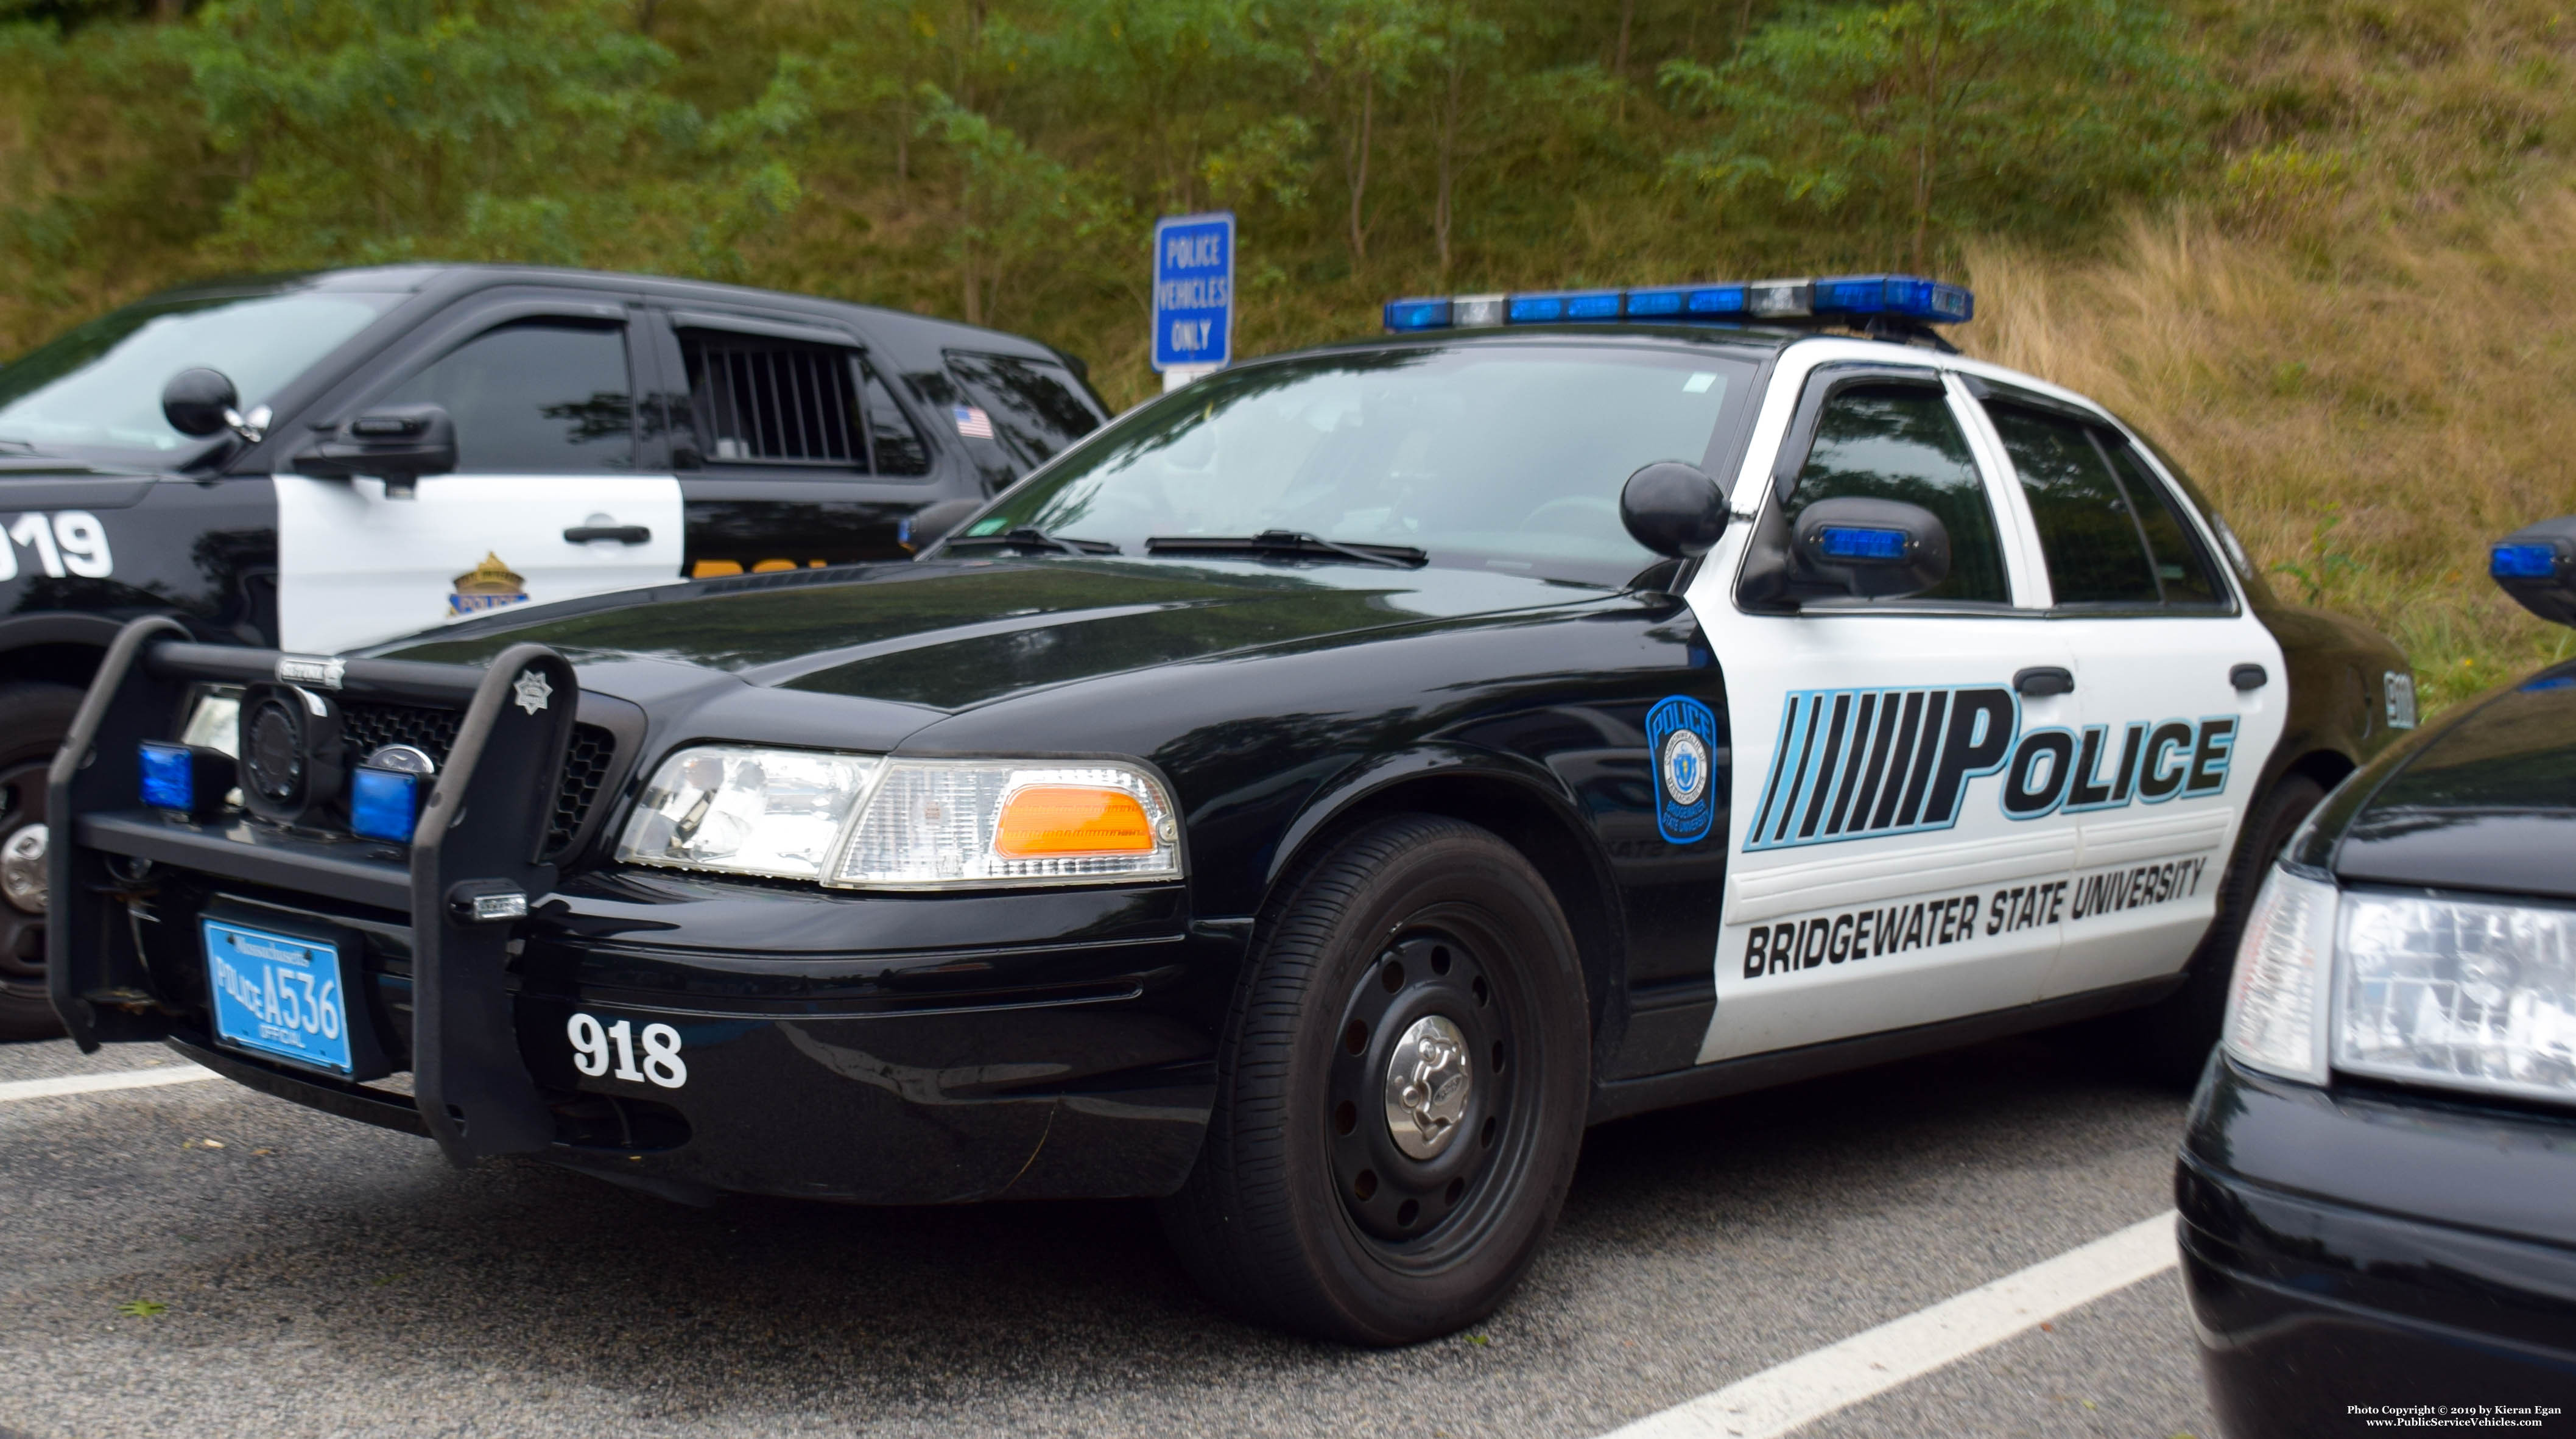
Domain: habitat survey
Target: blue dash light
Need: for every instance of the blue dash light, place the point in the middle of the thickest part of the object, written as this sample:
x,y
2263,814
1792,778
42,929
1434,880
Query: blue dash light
x,y
2522,562
1851,542
384,803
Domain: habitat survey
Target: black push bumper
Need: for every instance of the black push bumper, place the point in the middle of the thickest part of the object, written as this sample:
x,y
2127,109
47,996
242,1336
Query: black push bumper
x,y
2350,1253
876,1048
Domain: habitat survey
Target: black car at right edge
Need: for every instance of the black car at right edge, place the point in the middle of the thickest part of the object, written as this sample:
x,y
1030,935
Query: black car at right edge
x,y
2378,1184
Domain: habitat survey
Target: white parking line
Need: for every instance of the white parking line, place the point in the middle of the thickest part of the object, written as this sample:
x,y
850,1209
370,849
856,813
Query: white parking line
x,y
181,1073
1790,1396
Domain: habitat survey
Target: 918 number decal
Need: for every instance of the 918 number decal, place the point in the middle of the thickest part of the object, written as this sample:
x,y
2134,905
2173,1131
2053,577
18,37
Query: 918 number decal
x,y
594,1044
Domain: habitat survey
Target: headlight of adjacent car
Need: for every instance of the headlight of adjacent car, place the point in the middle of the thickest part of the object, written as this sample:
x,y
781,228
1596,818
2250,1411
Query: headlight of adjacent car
x,y
734,809
2275,1007
859,822
2477,996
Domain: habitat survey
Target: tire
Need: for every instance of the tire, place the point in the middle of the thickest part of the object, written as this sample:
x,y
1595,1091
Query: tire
x,y
33,720
2174,1036
1307,1211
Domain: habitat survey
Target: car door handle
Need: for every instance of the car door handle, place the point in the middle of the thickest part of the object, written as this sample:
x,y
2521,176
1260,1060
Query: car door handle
x,y
623,534
2249,677
2040,681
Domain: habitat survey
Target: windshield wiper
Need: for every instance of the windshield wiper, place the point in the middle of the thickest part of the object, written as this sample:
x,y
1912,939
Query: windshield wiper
x,y
18,447
1025,538
1287,542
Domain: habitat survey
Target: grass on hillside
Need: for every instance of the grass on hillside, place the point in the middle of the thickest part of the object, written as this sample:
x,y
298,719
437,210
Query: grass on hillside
x,y
2367,432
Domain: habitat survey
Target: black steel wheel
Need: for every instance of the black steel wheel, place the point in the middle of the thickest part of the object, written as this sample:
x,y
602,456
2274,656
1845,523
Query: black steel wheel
x,y
1401,1091
33,720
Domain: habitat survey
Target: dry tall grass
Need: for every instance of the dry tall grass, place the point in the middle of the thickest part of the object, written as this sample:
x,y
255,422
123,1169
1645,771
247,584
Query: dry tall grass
x,y
2367,430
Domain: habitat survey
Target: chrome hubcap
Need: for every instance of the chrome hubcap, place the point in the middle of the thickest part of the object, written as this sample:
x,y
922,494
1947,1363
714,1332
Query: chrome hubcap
x,y
22,869
1428,1084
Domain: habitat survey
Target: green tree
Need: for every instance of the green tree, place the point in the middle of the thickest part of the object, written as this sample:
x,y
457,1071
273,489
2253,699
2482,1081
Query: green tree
x,y
1943,116
377,130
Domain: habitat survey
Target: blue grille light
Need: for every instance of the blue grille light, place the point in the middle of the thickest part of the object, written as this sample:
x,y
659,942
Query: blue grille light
x,y
383,803
1849,542
1909,297
2522,562
169,776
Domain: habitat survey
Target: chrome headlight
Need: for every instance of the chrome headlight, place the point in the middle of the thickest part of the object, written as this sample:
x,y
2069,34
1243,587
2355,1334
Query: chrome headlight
x,y
862,822
2276,1002
962,823
2471,995
734,809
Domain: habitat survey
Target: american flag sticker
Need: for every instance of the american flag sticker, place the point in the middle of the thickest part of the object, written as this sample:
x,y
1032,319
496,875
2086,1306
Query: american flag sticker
x,y
973,423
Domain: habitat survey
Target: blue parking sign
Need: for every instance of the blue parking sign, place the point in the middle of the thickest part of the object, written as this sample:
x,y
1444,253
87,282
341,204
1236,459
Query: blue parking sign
x,y
1193,290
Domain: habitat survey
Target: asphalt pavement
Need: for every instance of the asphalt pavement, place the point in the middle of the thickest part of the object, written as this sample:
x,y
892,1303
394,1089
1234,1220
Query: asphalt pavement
x,y
201,1260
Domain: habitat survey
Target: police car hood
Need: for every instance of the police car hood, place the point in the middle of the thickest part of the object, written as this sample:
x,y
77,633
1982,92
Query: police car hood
x,y
2486,802
949,635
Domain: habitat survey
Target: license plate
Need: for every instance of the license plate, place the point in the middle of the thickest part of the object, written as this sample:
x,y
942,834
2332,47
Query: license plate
x,y
278,995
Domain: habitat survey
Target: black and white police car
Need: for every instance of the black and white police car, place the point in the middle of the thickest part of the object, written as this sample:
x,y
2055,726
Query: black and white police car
x,y
2376,1224
328,460
1310,800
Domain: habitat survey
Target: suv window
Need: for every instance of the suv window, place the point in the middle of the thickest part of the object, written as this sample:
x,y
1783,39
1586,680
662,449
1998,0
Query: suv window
x,y
782,403
2109,539
1901,442
1035,405
534,399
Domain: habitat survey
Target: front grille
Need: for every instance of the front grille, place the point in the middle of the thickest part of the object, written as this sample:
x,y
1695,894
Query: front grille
x,y
367,726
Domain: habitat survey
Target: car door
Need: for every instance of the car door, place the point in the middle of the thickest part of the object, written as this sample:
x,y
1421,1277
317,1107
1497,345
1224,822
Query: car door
x,y
1878,877
2181,689
549,499
792,449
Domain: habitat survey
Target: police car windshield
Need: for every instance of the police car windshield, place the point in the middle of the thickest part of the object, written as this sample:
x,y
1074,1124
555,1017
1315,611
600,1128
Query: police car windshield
x,y
98,387
1501,456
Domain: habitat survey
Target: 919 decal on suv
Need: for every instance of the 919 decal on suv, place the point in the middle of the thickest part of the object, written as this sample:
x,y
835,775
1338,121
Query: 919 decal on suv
x,y
594,1045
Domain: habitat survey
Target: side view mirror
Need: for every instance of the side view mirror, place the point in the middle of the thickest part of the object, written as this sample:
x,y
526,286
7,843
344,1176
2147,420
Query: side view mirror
x,y
931,523
1870,549
1673,509
398,444
200,403
2537,566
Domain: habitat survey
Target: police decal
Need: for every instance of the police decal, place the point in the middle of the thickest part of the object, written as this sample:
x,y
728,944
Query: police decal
x,y
1863,764
1681,735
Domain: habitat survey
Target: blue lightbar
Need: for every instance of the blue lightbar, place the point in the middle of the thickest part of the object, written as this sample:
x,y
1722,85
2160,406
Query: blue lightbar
x,y
169,776
383,803
1850,542
2522,562
1834,297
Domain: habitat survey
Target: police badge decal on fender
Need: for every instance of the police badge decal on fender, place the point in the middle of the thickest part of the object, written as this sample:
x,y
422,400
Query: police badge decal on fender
x,y
1682,736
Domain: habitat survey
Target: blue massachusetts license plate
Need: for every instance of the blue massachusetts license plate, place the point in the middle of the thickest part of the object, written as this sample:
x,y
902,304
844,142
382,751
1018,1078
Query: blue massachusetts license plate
x,y
278,995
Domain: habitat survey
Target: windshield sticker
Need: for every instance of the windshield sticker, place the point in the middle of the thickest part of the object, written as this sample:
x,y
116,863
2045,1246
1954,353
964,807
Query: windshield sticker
x,y
1864,764
1682,736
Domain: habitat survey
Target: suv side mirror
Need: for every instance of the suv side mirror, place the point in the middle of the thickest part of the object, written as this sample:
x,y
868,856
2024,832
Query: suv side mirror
x,y
199,403
1870,549
399,444
2537,566
1673,509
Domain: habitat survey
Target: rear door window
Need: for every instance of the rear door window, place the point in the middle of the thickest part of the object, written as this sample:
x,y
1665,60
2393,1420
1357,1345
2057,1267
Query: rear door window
x,y
2111,535
1035,408
778,404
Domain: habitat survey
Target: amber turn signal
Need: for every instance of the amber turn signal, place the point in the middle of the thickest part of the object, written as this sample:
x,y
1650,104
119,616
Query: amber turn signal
x,y
1061,819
